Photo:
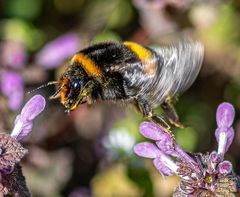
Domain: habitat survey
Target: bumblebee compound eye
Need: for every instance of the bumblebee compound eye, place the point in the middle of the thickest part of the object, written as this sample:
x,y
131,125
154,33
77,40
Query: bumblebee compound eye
x,y
76,83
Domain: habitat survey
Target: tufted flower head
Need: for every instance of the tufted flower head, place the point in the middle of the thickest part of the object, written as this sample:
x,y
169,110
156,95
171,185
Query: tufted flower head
x,y
201,174
11,152
215,177
14,184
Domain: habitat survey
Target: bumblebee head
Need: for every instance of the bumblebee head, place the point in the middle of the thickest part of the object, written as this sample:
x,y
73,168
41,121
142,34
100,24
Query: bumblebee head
x,y
70,88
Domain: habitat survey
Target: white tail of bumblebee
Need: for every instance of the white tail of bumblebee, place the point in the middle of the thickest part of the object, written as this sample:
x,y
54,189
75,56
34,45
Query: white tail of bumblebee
x,y
178,69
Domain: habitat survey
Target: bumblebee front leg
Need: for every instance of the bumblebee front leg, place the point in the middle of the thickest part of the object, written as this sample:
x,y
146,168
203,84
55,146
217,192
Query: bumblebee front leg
x,y
171,113
148,113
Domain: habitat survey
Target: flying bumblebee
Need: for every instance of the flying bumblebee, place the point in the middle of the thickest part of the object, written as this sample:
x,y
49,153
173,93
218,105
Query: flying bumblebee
x,y
144,76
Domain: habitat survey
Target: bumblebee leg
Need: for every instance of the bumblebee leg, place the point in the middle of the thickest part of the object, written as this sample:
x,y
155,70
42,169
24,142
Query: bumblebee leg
x,y
148,113
171,113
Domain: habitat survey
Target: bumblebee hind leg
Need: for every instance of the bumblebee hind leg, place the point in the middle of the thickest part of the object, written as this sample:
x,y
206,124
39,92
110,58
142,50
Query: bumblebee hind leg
x,y
171,113
148,114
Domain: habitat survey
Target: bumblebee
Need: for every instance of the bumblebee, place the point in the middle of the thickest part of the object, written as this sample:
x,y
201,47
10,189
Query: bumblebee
x,y
143,76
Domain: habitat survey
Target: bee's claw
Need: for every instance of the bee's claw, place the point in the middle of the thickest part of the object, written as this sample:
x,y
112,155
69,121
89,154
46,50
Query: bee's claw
x,y
178,124
68,111
165,127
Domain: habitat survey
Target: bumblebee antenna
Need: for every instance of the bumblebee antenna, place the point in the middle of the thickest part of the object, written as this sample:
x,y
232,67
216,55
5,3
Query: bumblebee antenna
x,y
56,93
44,85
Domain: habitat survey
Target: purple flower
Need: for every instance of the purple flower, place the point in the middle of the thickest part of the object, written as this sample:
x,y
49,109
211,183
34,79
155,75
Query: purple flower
x,y
224,133
200,174
162,162
225,167
225,115
13,88
163,141
11,151
54,53
215,178
23,123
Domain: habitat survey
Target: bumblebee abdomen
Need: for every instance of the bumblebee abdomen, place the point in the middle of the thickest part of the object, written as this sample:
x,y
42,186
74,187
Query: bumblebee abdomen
x,y
177,68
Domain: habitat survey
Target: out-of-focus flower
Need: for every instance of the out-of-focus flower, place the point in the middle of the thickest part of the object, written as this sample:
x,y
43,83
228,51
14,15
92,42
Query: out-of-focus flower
x,y
201,174
11,152
80,192
58,50
55,165
164,3
119,142
155,19
13,54
114,181
12,87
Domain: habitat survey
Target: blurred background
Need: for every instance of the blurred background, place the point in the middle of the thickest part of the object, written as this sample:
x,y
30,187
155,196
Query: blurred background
x,y
89,152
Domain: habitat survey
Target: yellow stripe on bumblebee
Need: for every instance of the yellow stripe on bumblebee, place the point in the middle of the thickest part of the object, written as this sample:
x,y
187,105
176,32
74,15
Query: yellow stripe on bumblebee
x,y
140,51
144,55
87,64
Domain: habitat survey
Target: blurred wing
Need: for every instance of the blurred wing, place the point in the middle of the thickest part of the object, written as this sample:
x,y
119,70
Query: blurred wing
x,y
180,67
